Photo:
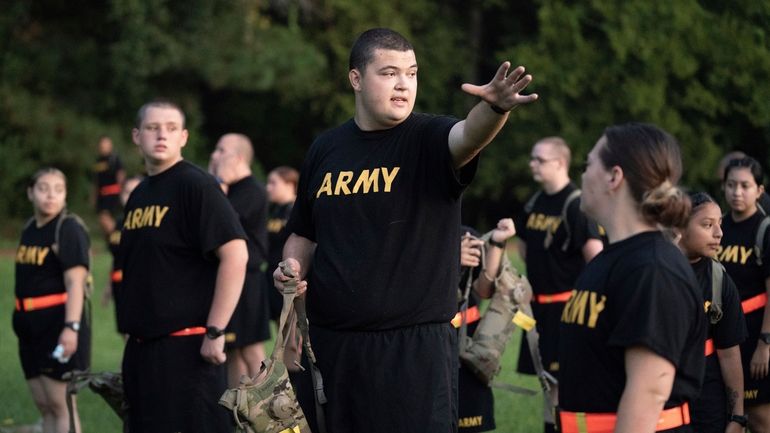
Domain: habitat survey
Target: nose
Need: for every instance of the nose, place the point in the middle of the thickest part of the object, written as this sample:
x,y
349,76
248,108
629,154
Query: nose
x,y
718,231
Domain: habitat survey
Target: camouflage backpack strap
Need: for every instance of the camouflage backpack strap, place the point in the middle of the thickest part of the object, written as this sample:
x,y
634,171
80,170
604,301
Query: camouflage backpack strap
x,y
315,373
717,277
564,222
463,339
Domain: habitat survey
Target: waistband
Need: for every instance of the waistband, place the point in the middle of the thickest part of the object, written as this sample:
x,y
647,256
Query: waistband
x,y
582,422
195,330
472,314
113,189
553,298
709,347
41,302
754,303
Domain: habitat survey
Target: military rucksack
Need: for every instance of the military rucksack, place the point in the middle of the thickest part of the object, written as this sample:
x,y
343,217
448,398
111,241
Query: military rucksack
x,y
759,240
508,308
717,277
267,403
574,195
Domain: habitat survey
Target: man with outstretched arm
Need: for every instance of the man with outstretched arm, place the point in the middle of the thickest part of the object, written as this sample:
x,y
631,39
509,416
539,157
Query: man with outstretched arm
x,y
376,219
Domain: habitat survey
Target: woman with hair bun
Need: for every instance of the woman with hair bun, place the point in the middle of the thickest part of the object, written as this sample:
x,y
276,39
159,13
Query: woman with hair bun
x,y
744,254
632,334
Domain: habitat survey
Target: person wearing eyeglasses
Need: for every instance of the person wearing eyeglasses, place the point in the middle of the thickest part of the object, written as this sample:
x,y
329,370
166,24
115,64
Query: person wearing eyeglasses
x,y
556,241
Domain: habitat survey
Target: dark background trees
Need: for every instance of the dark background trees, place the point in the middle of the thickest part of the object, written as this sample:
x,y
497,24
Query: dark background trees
x,y
277,71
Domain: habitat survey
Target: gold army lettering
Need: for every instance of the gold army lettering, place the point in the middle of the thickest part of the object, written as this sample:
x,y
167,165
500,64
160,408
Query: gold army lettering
x,y
274,225
471,421
583,308
542,222
734,254
148,216
31,255
367,181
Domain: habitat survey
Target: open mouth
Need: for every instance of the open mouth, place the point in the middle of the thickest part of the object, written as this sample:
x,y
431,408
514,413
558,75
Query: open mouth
x,y
399,100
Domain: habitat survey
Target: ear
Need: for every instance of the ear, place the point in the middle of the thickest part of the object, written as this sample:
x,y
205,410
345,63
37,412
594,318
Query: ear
x,y
761,189
135,136
30,195
185,135
616,177
355,79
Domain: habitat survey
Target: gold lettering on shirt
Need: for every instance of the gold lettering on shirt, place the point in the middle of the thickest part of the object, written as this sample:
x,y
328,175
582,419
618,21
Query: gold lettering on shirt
x,y
541,222
750,394
274,225
734,254
365,182
115,237
31,255
575,310
471,421
148,216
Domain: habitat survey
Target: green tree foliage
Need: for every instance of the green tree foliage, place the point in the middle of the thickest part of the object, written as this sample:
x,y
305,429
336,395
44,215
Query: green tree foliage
x,y
277,71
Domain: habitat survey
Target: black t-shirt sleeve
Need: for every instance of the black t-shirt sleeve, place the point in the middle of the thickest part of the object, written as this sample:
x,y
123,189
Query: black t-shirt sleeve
x,y
766,255
731,329
439,156
649,313
118,163
218,223
73,245
582,228
300,219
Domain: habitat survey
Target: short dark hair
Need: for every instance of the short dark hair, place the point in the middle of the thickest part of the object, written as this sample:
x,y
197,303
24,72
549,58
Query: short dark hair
x,y
287,174
363,49
158,103
42,172
747,162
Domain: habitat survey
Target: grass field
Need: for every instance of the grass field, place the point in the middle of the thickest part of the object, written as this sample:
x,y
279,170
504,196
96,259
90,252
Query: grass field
x,y
514,413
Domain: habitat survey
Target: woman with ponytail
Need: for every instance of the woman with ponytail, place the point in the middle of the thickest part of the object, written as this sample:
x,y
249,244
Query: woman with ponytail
x,y
632,334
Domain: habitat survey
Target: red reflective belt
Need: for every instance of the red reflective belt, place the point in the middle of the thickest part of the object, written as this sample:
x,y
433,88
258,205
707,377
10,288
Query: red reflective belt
x,y
113,189
471,315
40,302
709,346
116,276
581,422
754,303
195,330
554,297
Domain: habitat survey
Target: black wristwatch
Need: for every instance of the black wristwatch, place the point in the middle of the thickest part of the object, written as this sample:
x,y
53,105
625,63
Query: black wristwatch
x,y
494,243
765,337
740,419
75,326
212,332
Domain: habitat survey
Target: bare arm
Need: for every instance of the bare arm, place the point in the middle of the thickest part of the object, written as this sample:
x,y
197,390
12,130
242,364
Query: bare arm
x,y
484,286
74,282
591,248
231,275
468,137
732,375
649,380
761,357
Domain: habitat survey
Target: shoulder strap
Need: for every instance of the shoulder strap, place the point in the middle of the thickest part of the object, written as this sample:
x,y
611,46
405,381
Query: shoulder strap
x,y
57,232
564,209
760,239
531,202
717,277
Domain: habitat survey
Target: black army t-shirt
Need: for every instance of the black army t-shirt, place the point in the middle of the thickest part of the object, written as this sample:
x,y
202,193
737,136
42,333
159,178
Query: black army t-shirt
x,y
383,208
39,271
106,169
553,270
173,224
739,258
249,199
278,216
639,291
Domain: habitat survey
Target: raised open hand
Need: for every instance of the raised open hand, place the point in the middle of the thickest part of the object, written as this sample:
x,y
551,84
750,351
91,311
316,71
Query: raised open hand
x,y
504,89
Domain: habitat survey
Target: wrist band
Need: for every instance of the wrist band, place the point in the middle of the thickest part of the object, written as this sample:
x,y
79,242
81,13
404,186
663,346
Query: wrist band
x,y
498,110
494,243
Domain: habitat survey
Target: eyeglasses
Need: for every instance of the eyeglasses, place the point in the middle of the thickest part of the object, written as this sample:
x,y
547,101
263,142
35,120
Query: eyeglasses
x,y
540,160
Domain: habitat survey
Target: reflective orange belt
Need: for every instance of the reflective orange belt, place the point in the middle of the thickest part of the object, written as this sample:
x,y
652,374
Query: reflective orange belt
x,y
471,315
195,330
554,297
754,303
581,422
40,302
113,189
116,276
709,346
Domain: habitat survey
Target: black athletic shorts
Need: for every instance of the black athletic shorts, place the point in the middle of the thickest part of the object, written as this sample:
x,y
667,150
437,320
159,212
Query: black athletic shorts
x,y
476,403
402,380
548,317
170,388
38,332
756,391
250,322
709,411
